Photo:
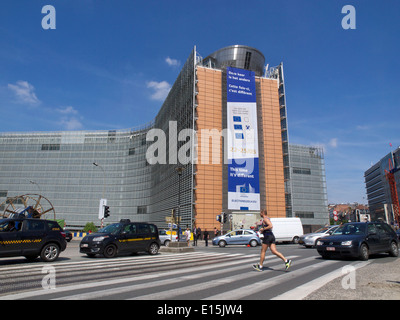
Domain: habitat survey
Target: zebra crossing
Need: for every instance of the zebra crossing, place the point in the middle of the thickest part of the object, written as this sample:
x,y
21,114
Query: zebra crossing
x,y
185,276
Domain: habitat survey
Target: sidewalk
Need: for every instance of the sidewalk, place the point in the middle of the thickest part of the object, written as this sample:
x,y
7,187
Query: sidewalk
x,y
201,243
379,280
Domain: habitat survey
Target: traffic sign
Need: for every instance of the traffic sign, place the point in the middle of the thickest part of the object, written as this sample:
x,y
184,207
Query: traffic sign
x,y
335,218
169,219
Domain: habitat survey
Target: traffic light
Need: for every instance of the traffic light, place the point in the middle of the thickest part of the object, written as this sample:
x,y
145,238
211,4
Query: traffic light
x,y
106,211
225,217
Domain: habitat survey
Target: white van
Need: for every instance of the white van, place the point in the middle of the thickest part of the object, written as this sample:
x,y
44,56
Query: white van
x,y
287,229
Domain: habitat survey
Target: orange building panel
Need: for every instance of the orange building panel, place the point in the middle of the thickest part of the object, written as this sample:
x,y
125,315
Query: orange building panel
x,y
208,180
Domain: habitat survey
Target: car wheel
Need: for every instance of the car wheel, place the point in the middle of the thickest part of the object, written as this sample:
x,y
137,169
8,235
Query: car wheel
x,y
153,249
166,243
110,251
364,252
50,252
325,256
295,240
253,243
394,249
222,243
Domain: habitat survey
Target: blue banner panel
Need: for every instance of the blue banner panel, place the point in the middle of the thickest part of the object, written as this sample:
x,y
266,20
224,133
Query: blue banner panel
x,y
243,175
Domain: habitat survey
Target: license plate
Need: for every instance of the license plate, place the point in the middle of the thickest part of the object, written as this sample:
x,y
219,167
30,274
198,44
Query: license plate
x,y
84,245
330,248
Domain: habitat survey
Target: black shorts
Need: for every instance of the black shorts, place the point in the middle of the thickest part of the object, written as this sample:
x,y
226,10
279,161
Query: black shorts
x,y
269,238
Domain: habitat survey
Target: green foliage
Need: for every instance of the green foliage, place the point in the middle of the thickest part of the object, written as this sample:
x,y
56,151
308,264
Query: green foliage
x,y
90,227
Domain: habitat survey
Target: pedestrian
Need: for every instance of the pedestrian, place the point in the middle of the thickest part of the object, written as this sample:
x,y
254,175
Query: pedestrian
x,y
198,231
206,236
194,236
269,242
187,233
215,232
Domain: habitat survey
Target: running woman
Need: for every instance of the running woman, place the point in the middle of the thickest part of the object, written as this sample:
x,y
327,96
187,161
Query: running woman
x,y
269,242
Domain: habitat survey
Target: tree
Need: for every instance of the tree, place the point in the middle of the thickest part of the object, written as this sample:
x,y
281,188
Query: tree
x,y
90,227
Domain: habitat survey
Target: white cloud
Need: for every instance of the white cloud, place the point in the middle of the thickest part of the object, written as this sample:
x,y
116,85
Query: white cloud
x,y
67,110
71,124
161,89
25,92
172,62
70,118
333,143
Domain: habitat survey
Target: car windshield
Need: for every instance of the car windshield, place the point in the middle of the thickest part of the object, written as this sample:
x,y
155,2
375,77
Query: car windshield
x,y
112,228
349,229
322,230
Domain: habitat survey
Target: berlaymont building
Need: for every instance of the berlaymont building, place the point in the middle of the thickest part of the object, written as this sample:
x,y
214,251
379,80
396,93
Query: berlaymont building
x,y
219,144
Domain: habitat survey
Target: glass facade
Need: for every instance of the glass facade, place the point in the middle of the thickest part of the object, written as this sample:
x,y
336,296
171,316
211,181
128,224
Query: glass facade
x,y
308,185
378,188
60,166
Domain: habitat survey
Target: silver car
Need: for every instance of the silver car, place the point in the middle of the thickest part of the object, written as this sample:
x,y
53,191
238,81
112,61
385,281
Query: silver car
x,y
165,238
310,239
240,236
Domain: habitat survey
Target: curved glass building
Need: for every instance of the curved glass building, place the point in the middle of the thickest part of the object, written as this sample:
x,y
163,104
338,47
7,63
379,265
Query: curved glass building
x,y
184,161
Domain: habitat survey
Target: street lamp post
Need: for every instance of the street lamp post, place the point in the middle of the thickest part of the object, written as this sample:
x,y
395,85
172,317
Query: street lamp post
x,y
104,186
34,182
179,170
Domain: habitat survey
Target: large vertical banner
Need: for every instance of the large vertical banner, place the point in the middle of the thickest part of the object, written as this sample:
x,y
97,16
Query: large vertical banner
x,y
243,173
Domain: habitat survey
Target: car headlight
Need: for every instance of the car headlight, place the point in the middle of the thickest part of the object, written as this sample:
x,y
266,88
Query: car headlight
x,y
347,243
99,239
319,243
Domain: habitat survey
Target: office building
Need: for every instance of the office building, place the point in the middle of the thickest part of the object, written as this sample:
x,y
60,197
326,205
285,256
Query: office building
x,y
219,144
381,194
308,186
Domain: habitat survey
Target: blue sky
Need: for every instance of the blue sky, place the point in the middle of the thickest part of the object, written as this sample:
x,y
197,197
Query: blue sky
x,y
109,65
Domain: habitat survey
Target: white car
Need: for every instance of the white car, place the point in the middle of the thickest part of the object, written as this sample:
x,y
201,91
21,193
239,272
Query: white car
x,y
165,238
310,239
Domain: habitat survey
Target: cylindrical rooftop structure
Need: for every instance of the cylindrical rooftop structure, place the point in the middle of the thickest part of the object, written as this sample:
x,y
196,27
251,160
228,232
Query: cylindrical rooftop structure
x,y
238,56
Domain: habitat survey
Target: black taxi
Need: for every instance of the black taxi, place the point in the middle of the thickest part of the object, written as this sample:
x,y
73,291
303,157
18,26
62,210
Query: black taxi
x,y
31,238
123,237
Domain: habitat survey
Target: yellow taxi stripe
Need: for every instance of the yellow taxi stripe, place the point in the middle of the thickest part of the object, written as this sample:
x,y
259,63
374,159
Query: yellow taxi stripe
x,y
20,241
137,239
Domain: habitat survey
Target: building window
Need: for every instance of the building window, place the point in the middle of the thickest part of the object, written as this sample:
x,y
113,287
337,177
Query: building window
x,y
302,171
131,151
247,60
304,214
142,210
111,136
50,147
